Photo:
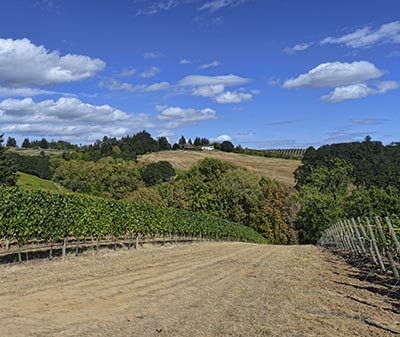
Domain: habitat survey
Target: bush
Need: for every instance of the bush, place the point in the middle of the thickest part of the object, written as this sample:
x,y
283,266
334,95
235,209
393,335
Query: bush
x,y
157,173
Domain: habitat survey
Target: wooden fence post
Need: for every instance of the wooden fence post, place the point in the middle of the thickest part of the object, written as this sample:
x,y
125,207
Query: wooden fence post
x,y
375,247
394,237
385,250
363,251
64,247
367,239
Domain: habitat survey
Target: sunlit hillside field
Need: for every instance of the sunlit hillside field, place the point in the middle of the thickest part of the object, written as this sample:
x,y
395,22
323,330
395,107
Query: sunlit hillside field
x,y
276,168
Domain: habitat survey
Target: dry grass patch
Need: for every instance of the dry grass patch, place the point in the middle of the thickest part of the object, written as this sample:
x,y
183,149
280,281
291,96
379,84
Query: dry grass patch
x,y
276,168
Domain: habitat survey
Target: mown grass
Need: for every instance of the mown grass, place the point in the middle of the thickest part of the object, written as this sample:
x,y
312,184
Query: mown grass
x,y
32,182
276,168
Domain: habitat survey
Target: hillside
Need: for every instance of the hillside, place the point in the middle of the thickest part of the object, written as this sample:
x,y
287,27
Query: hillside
x,y
276,168
29,181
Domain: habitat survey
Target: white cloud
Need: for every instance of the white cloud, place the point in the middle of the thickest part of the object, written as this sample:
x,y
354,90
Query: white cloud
x,y
333,74
366,37
229,97
185,61
208,90
151,72
67,118
24,92
115,85
175,117
199,80
222,138
215,5
23,63
210,65
159,6
368,121
357,91
297,48
152,55
128,72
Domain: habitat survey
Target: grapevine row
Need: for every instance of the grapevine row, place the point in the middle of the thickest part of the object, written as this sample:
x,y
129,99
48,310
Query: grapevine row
x,y
51,217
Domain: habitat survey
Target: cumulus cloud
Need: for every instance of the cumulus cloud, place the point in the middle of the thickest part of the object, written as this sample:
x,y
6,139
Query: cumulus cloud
x,y
115,85
185,61
357,91
24,63
175,117
334,74
151,72
209,90
67,118
215,5
367,37
200,80
24,92
297,48
229,97
222,138
128,72
210,65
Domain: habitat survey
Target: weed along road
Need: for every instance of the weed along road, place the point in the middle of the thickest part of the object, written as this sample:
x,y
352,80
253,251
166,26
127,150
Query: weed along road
x,y
211,289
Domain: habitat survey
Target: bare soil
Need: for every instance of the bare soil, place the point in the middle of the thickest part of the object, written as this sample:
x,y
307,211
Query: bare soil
x,y
276,168
210,289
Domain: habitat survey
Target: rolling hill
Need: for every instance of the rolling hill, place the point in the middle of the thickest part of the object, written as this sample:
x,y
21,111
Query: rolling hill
x,y
276,168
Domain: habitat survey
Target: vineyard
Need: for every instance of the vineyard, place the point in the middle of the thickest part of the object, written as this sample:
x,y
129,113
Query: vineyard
x,y
295,153
373,241
32,218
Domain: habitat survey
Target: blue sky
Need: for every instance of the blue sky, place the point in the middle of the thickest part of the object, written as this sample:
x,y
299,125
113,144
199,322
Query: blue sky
x,y
264,74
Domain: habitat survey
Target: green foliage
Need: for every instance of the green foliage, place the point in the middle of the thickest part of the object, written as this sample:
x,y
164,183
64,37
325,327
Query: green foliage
x,y
374,164
8,170
26,215
28,181
11,142
108,177
227,191
163,144
158,172
227,146
322,196
35,165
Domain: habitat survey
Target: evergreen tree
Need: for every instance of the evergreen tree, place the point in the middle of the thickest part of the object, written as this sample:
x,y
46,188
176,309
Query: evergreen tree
x,y
182,142
11,142
26,143
8,171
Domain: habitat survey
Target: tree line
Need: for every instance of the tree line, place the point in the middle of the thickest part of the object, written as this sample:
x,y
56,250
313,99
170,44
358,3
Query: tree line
x,y
346,180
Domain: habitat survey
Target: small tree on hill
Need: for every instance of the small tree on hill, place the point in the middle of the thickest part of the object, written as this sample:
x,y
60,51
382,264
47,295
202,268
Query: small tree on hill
x,y
157,172
11,142
26,143
227,146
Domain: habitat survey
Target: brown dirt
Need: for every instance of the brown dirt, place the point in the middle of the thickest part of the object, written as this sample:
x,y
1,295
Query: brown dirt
x,y
276,168
211,289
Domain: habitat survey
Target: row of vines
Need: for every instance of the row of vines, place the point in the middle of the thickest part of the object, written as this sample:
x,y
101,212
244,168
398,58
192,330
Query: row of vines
x,y
374,240
51,217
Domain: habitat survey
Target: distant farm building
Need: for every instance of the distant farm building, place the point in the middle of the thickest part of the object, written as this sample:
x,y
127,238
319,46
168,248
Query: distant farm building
x,y
208,148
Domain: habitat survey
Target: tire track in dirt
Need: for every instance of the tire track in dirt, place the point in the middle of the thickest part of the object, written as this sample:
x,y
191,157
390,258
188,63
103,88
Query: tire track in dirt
x,y
211,289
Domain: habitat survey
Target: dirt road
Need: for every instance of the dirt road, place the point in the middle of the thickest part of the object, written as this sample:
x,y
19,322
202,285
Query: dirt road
x,y
215,289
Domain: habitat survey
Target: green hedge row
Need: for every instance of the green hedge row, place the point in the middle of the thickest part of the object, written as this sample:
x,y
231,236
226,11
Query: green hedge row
x,y
27,215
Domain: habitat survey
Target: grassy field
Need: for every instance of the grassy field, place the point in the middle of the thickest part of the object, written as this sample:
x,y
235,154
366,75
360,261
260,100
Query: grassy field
x,y
32,182
35,152
276,168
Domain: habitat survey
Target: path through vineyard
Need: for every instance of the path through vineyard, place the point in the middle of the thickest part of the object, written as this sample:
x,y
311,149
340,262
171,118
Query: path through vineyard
x,y
212,289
